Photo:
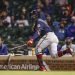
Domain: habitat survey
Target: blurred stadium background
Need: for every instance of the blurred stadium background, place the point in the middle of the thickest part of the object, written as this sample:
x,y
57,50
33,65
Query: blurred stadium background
x,y
12,12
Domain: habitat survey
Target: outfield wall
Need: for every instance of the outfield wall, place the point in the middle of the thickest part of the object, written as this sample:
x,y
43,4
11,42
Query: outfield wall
x,y
30,63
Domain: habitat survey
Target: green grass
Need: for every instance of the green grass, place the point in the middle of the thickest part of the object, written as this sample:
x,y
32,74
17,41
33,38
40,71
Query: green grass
x,y
37,73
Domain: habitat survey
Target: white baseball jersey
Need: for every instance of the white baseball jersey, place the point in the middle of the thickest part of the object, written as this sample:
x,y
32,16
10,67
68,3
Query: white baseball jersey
x,y
72,47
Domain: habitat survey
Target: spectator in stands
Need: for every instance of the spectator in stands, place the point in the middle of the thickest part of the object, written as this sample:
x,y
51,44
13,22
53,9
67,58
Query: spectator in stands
x,y
70,31
3,47
49,21
65,15
69,45
61,2
21,26
6,19
56,24
48,7
6,3
40,13
23,11
60,32
22,22
39,3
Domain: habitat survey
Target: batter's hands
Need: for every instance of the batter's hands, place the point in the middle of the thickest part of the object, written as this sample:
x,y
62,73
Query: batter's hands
x,y
30,42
